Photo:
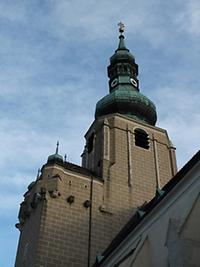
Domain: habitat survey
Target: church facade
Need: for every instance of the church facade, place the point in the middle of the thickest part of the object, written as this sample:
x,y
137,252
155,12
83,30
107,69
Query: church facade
x,y
71,213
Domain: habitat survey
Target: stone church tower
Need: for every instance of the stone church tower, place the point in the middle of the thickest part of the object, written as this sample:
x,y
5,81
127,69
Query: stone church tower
x,y
71,213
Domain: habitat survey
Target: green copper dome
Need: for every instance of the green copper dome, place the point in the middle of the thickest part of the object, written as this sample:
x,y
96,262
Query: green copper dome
x,y
30,186
55,157
124,97
127,102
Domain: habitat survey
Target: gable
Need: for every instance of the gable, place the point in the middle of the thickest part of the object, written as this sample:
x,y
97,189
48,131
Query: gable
x,y
190,228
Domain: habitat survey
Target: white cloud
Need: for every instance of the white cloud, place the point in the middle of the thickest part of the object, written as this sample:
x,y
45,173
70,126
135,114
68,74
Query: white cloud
x,y
9,203
179,114
17,181
189,19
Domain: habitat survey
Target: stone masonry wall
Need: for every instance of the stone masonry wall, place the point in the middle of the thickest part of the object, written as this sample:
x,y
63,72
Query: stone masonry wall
x,y
63,232
131,174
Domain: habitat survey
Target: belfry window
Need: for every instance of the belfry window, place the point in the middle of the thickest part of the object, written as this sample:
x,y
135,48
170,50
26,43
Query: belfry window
x,y
90,142
141,138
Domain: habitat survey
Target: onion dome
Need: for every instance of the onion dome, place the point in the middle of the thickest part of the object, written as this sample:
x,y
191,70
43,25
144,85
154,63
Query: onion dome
x,y
55,157
124,96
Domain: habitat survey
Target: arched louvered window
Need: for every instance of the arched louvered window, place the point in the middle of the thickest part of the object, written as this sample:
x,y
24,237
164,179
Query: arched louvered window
x,y
141,138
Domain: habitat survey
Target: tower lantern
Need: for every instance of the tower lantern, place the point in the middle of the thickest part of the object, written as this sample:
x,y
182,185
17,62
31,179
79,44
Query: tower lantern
x,y
124,97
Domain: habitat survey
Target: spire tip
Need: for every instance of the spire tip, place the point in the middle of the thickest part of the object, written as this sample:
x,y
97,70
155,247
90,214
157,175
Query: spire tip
x,y
57,145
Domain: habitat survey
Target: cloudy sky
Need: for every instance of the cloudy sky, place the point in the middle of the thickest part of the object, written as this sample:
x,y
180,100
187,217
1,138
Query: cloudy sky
x,y
53,59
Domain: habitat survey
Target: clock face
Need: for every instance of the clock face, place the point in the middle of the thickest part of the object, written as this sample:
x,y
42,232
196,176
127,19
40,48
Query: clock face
x,y
114,82
134,82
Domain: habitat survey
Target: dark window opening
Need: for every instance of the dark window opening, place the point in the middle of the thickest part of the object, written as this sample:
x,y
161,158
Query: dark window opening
x,y
141,138
90,143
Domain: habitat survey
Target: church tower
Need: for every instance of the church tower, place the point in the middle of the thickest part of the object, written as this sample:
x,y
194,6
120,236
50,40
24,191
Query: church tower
x,y
71,213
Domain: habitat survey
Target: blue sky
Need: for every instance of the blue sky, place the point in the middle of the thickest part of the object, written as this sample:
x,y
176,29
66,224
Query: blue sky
x,y
53,60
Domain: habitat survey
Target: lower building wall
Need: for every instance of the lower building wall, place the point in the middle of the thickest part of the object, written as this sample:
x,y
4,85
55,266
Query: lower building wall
x,y
169,235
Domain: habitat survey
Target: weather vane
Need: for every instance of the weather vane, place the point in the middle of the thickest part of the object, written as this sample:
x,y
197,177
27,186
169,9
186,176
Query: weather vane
x,y
121,27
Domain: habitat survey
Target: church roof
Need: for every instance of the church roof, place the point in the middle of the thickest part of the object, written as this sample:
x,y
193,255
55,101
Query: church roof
x,y
72,167
147,208
76,168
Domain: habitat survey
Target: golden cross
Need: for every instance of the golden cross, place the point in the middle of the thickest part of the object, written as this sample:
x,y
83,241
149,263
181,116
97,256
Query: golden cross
x,y
121,27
